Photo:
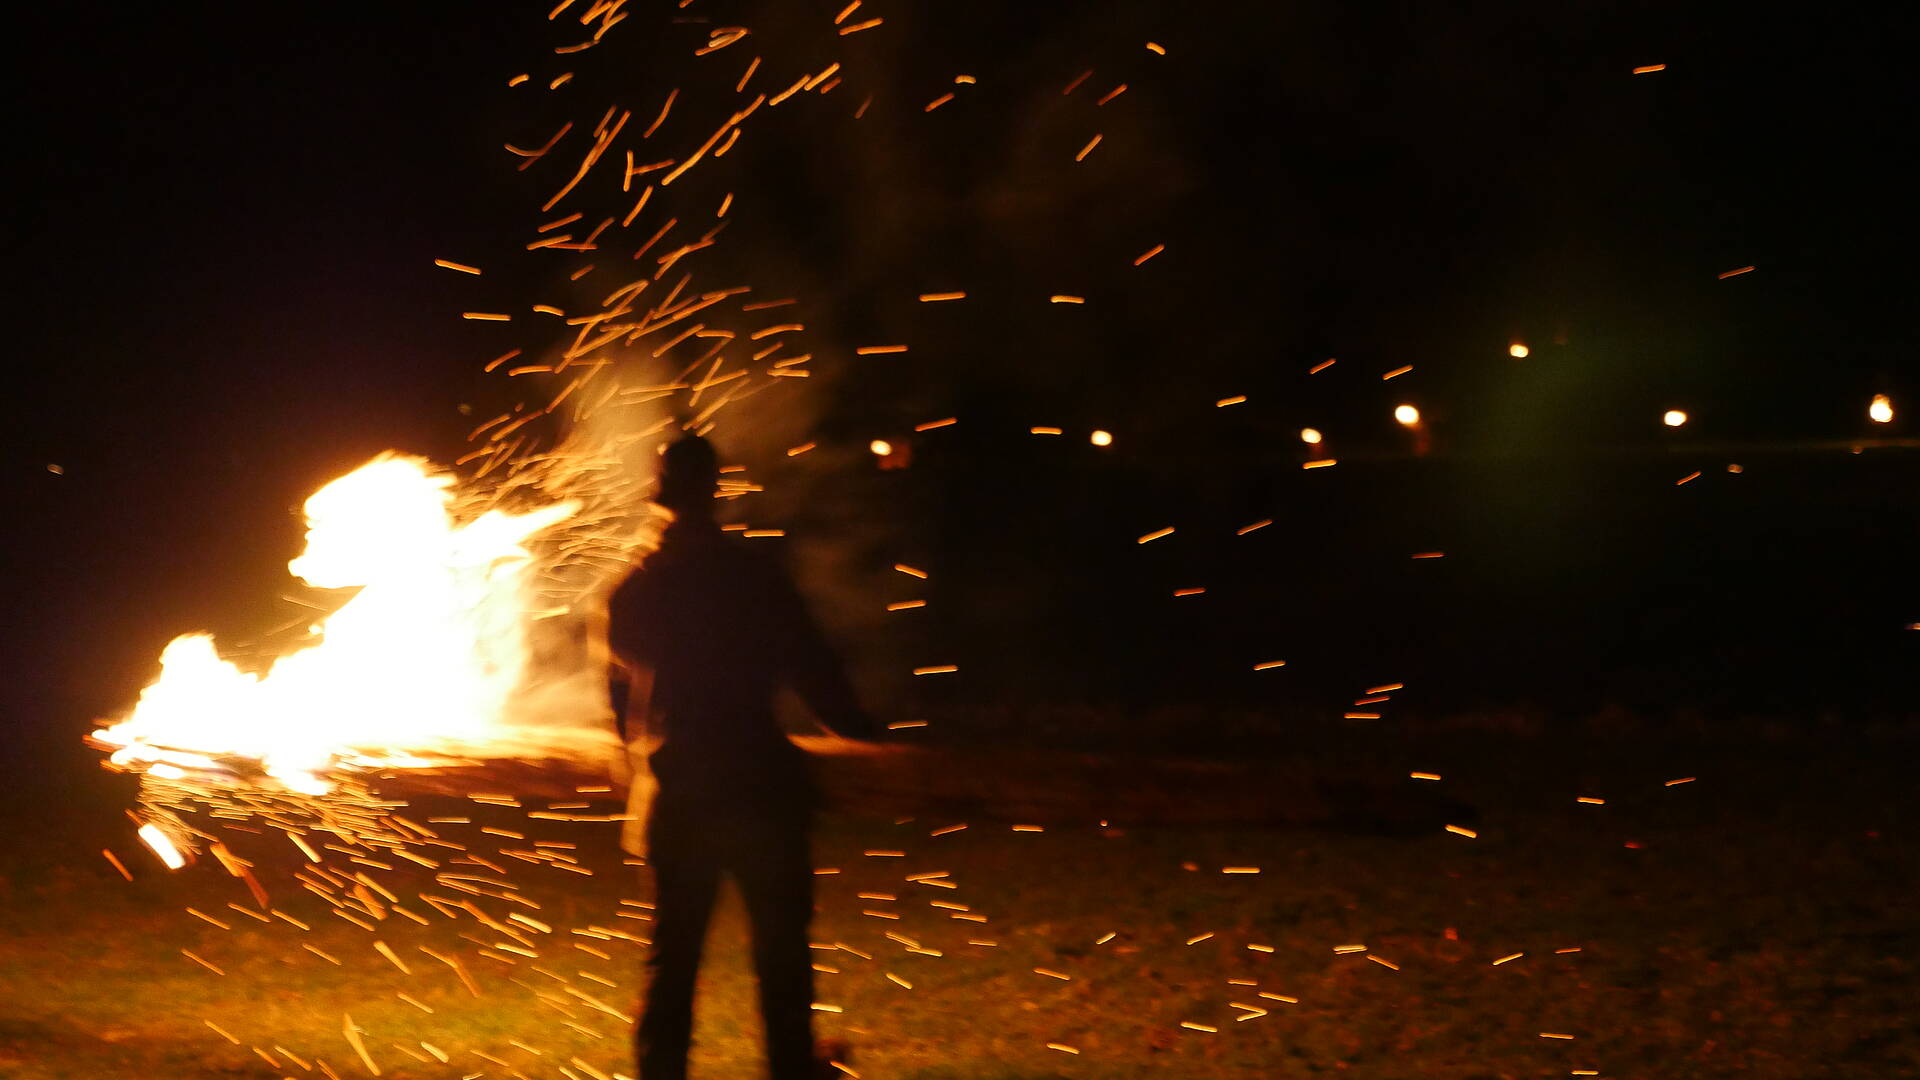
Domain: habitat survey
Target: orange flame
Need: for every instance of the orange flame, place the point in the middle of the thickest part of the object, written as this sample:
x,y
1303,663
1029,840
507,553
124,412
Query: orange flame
x,y
422,660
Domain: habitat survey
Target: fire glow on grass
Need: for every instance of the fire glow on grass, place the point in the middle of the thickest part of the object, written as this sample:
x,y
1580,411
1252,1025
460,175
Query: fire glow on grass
x,y
423,660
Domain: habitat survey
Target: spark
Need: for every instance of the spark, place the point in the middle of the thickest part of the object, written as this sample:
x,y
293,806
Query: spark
x,y
1087,149
162,846
117,864
1649,68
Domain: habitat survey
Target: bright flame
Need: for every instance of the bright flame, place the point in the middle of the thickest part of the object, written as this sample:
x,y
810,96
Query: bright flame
x,y
880,447
422,660
1407,415
162,846
1881,410
1101,438
1310,436
1517,351
1674,418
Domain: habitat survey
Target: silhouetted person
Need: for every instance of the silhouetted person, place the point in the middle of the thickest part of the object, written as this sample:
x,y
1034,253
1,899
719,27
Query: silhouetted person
x,y
706,632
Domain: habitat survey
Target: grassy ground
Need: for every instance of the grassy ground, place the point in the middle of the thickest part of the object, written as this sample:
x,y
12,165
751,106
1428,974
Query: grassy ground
x,y
1755,922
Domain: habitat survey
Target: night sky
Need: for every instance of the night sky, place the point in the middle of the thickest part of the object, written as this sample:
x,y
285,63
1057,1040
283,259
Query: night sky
x,y
225,295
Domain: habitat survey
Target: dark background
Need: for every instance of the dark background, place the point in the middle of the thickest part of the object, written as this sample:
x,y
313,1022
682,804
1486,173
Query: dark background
x,y
224,296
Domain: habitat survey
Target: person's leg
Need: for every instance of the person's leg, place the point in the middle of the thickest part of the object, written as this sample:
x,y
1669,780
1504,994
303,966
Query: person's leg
x,y
775,872
686,877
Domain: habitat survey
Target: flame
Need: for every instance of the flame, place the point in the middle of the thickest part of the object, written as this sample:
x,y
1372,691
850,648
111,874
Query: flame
x,y
422,660
162,845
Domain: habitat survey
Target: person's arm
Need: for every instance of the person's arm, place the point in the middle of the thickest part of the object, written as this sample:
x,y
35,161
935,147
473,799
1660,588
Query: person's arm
x,y
814,670
620,696
629,688
628,684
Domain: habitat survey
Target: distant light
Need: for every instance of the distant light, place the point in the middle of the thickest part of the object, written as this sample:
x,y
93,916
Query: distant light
x,y
1674,418
1881,411
1735,468
56,470
1101,438
1311,436
880,447
162,846
1517,351
1407,415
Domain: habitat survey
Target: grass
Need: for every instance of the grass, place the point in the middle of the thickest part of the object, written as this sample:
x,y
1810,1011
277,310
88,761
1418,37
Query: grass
x,y
1760,927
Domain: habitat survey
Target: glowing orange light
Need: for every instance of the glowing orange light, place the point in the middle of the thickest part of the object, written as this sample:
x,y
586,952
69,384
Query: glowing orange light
x,y
1101,438
162,846
1311,436
1407,415
424,656
880,447
1881,410
1517,351
1674,418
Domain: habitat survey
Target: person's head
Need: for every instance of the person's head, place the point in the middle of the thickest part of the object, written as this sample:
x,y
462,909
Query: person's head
x,y
689,474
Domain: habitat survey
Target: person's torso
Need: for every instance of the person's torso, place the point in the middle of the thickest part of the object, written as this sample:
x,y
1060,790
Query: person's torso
x,y
704,618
